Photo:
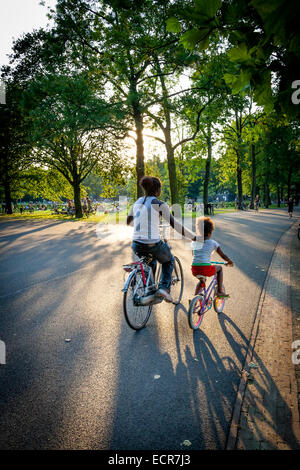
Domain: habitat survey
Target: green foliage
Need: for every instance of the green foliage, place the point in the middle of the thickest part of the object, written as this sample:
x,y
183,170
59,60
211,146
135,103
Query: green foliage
x,y
265,39
48,184
193,37
173,25
238,83
207,9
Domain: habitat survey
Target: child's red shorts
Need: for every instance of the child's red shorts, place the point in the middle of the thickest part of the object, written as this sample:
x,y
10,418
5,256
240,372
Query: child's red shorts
x,y
206,271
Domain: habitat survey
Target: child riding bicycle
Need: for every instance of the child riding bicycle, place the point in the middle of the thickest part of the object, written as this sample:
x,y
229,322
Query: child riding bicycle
x,y
203,248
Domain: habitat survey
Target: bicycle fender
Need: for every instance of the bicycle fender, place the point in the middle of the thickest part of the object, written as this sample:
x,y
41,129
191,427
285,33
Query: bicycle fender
x,y
128,280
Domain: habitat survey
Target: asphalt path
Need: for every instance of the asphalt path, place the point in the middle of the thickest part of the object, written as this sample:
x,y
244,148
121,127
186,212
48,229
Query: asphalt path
x,y
107,386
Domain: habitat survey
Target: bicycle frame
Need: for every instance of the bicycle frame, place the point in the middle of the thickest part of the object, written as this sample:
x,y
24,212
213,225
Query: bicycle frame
x,y
138,264
208,292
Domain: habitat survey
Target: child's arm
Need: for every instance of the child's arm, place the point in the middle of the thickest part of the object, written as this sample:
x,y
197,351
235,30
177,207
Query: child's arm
x,y
225,258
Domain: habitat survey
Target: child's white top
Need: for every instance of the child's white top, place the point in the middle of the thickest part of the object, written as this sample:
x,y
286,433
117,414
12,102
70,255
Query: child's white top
x,y
203,250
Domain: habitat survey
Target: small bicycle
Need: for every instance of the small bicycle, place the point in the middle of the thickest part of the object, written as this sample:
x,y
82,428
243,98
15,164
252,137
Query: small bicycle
x,y
204,301
140,288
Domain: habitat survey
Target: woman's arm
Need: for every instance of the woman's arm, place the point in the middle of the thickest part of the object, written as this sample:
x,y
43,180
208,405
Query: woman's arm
x,y
165,212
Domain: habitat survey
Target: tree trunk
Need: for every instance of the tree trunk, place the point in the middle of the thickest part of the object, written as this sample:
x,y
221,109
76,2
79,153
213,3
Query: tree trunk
x,y
289,183
140,165
207,171
239,181
267,200
281,192
168,138
8,207
171,169
77,198
253,176
139,126
278,195
277,187
238,121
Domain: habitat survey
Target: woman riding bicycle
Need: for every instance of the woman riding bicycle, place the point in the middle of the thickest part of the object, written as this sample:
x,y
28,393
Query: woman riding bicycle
x,y
145,214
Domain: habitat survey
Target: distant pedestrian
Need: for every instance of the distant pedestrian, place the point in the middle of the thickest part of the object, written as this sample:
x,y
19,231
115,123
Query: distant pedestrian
x,y
290,207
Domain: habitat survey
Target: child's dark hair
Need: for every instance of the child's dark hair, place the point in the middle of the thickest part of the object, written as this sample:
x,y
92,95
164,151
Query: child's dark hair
x,y
208,225
151,185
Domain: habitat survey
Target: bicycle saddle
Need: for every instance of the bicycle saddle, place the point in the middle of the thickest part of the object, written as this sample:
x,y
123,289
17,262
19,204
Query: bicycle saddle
x,y
147,259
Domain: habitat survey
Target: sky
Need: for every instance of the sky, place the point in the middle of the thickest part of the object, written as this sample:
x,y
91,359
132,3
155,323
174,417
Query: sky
x,y
18,17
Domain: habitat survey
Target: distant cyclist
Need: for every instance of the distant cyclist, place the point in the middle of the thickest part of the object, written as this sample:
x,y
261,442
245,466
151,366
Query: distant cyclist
x,y
145,214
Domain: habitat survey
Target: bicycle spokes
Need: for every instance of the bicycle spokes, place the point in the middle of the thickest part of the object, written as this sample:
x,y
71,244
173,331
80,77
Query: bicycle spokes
x,y
196,312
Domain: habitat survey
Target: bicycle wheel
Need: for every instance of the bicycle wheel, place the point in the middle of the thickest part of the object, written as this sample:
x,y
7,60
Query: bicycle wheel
x,y
176,289
136,316
195,317
219,303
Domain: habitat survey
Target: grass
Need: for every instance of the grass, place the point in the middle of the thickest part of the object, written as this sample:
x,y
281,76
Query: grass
x,y
104,218
48,215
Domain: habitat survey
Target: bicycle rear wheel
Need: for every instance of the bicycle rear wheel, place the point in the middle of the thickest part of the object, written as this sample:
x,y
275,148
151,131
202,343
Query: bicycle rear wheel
x,y
195,317
136,316
219,303
176,289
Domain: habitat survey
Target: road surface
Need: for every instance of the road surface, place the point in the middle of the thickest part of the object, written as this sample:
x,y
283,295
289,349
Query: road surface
x,y
109,387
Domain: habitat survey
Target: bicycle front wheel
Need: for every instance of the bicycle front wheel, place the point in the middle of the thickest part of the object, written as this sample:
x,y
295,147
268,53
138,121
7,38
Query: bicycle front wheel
x,y
136,315
177,281
219,303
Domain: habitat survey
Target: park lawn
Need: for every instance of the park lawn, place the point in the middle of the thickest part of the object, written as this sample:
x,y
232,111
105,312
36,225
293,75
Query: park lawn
x,y
49,215
110,218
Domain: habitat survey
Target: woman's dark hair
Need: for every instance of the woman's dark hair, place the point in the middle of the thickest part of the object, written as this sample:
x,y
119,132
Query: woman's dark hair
x,y
150,185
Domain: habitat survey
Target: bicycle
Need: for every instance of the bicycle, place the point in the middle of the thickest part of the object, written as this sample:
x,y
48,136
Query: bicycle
x,y
140,288
204,301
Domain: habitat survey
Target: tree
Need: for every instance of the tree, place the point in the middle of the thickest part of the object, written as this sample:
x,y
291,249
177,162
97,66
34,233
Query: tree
x,y
72,128
172,107
265,39
14,144
234,136
132,49
253,135
116,39
209,79
281,152
46,183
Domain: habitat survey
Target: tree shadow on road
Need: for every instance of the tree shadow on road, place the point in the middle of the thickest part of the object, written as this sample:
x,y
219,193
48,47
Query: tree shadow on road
x,y
266,420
